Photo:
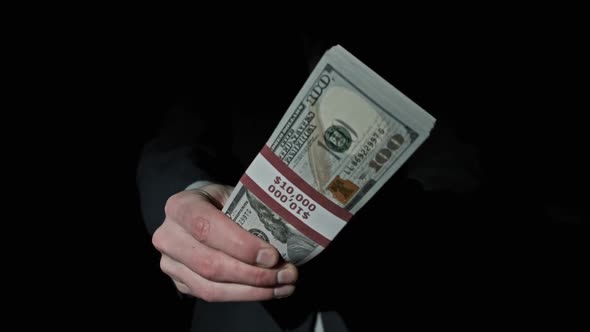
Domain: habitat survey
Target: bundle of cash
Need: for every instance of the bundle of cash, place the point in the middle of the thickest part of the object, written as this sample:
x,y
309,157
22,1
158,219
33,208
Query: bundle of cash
x,y
344,135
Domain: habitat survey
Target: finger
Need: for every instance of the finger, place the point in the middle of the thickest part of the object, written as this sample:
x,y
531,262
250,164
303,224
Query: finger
x,y
220,292
215,265
181,287
210,226
164,261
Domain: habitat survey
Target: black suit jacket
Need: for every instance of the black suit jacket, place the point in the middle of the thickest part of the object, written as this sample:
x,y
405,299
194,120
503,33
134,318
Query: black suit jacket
x,y
406,247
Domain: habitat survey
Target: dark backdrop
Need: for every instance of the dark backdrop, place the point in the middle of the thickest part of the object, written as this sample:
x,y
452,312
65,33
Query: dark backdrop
x,y
509,92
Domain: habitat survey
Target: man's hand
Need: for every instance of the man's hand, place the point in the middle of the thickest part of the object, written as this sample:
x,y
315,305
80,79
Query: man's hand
x,y
209,256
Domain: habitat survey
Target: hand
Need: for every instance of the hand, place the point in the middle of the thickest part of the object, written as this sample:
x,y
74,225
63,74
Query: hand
x,y
209,256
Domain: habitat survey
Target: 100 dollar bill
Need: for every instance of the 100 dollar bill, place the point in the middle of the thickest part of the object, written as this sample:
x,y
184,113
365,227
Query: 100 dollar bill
x,y
342,138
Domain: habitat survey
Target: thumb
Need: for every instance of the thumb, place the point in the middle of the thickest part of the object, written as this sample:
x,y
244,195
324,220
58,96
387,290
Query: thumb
x,y
218,193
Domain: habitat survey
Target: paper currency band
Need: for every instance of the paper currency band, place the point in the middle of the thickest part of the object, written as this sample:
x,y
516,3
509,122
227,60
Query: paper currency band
x,y
286,171
281,211
269,178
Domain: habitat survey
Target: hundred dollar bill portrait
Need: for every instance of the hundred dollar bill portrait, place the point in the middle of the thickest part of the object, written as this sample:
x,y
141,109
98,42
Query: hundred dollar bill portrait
x,y
298,245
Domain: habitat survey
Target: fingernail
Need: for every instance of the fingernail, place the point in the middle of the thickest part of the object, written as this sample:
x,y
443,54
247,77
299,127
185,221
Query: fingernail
x,y
286,276
266,258
284,291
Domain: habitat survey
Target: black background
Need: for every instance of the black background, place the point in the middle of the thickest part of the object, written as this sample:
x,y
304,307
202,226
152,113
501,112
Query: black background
x,y
515,92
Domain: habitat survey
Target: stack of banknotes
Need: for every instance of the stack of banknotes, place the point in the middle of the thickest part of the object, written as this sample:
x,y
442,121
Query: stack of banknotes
x,y
345,134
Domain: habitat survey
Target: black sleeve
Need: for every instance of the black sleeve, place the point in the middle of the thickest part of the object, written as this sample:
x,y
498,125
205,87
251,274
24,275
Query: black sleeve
x,y
221,76
188,148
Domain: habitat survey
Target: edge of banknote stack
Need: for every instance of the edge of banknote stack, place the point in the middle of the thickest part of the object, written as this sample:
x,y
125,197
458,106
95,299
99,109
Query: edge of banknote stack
x,y
345,134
